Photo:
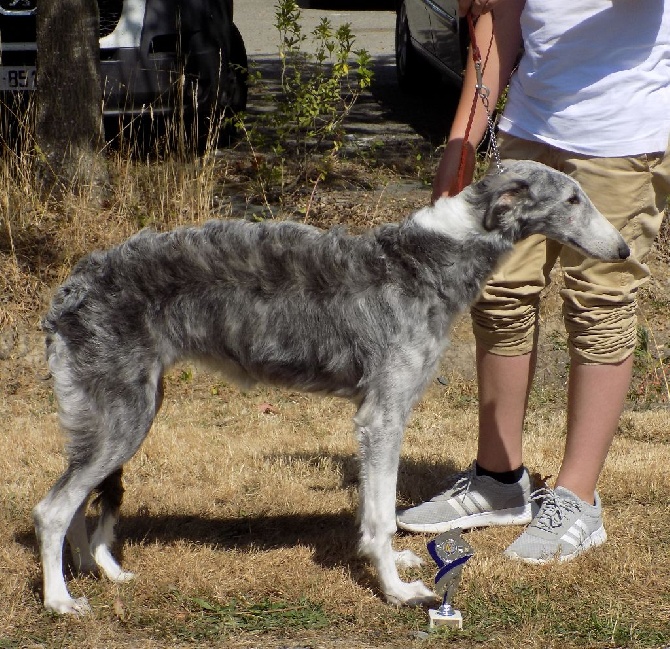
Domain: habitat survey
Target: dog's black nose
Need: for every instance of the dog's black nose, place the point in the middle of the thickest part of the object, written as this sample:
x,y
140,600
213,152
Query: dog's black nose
x,y
624,250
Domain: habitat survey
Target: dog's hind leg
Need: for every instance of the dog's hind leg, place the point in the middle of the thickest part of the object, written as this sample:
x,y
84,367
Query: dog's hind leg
x,y
77,538
107,427
110,497
53,515
64,504
380,428
88,557
61,512
135,416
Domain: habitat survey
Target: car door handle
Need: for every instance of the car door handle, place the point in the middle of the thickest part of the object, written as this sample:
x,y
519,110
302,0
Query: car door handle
x,y
450,20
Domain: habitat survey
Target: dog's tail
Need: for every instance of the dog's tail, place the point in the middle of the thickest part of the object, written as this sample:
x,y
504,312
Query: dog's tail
x,y
64,301
70,295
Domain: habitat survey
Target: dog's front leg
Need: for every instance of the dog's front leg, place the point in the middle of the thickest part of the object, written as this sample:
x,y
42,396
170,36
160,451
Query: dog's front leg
x,y
380,440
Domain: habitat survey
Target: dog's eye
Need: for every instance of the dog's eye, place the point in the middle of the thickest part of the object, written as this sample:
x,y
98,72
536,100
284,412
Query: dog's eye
x,y
574,200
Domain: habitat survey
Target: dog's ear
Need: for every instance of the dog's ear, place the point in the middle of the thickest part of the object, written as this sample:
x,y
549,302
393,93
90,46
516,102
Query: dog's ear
x,y
505,199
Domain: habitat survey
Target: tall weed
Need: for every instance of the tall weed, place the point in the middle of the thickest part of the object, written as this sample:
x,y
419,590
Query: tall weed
x,y
318,87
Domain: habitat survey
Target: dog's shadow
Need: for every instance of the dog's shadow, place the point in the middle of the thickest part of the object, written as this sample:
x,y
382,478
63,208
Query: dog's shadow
x,y
333,537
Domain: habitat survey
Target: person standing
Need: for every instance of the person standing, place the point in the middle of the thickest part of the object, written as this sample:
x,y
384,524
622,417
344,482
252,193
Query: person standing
x,y
590,97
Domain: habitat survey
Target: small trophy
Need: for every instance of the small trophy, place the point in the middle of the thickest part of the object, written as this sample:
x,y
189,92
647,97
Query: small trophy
x,y
450,552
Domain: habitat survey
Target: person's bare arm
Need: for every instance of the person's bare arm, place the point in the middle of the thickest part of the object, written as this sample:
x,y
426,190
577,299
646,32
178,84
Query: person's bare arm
x,y
502,29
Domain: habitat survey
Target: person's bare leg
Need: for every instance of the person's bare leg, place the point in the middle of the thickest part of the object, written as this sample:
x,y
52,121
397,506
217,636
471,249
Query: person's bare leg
x,y
504,384
596,396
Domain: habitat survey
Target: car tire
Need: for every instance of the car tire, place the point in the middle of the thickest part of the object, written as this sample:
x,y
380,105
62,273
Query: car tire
x,y
216,86
410,69
238,81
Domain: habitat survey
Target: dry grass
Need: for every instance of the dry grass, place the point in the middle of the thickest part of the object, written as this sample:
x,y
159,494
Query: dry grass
x,y
240,518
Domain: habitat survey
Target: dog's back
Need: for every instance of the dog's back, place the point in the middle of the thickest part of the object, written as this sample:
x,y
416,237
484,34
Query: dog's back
x,y
278,302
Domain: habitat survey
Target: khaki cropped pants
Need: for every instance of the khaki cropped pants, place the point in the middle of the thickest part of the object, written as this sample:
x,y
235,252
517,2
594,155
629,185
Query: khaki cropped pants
x,y
599,298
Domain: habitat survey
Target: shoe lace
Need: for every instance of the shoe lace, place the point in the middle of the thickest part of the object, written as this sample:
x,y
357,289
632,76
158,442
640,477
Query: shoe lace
x,y
460,485
552,510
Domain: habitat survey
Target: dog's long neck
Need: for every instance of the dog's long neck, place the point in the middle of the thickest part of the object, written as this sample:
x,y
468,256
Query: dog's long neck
x,y
447,247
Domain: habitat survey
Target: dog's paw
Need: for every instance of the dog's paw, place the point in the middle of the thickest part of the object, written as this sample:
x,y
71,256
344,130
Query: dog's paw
x,y
413,594
110,567
69,606
407,559
121,577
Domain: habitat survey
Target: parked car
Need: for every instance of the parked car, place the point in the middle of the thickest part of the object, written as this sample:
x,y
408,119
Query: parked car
x,y
145,46
430,39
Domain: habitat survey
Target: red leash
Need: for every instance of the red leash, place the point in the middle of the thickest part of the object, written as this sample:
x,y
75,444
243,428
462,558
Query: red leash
x,y
477,59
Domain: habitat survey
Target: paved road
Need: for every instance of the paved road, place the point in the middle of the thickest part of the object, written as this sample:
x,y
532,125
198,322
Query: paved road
x,y
374,29
382,112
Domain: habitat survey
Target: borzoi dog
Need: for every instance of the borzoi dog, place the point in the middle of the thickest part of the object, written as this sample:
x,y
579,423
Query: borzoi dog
x,y
364,317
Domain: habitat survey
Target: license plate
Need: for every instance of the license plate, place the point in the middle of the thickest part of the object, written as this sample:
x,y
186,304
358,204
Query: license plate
x,y
18,77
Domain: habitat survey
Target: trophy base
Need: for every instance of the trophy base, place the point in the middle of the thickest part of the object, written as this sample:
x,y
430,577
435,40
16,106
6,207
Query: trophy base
x,y
454,620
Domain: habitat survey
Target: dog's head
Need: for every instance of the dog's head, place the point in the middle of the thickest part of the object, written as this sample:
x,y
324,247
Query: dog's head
x,y
530,198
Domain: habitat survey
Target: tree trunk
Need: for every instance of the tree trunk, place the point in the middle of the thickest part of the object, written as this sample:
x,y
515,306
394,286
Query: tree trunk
x,y
69,95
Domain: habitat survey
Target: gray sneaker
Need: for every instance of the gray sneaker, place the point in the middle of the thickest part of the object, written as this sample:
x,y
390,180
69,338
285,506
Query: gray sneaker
x,y
564,527
472,501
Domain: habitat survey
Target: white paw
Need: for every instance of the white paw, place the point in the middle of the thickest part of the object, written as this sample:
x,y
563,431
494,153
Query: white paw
x,y
122,577
69,606
407,559
109,566
413,594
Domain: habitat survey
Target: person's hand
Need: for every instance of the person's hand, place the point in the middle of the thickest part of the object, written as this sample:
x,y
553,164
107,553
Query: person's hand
x,y
477,7
446,178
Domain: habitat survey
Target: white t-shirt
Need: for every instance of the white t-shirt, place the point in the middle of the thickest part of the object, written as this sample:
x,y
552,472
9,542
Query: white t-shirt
x,y
594,78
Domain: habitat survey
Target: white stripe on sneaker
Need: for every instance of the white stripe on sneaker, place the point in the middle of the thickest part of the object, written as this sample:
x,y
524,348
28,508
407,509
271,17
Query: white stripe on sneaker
x,y
459,506
482,504
576,534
